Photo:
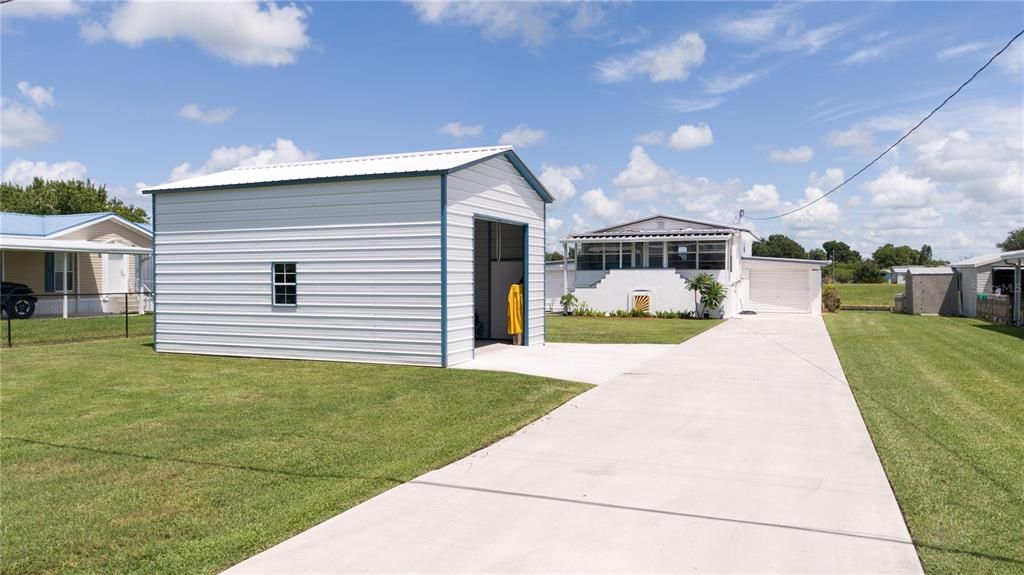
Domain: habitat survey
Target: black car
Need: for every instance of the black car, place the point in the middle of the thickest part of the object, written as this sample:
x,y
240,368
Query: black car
x,y
17,301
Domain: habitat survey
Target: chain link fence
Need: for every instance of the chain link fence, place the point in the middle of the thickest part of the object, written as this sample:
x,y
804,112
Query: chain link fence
x,y
40,319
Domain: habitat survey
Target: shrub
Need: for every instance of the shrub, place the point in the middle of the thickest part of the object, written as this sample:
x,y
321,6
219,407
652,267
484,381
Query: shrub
x,y
830,298
868,272
569,303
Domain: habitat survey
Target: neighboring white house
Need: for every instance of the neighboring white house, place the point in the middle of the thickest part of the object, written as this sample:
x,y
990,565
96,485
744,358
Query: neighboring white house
x,y
646,262
992,274
404,258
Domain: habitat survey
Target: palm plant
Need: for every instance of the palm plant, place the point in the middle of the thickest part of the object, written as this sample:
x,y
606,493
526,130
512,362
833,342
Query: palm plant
x,y
698,284
713,295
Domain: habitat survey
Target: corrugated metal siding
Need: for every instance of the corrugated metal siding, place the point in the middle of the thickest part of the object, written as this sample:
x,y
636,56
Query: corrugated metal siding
x,y
368,271
489,189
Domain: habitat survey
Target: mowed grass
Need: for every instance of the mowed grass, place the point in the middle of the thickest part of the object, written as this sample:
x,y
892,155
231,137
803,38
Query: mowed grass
x,y
39,331
868,294
572,329
117,459
943,399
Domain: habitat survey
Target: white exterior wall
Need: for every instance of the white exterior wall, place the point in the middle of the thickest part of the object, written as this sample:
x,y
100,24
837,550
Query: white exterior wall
x,y
368,271
666,286
492,189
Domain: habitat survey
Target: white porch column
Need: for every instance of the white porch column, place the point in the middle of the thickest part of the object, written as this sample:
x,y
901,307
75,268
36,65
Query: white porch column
x,y
565,268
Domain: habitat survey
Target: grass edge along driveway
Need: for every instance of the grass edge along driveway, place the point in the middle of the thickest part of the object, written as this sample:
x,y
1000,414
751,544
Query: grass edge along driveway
x,y
117,459
943,399
573,329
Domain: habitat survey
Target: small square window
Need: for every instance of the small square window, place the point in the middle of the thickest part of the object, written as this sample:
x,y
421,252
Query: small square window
x,y
285,284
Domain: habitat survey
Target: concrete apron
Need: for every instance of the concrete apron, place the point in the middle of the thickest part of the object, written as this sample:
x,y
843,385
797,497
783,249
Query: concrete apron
x,y
740,450
586,362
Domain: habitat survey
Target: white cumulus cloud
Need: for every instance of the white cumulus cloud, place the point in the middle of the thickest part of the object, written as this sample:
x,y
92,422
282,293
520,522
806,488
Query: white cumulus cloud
x,y
39,96
460,130
601,206
898,189
560,180
798,155
759,198
21,126
667,62
40,9
522,136
691,137
225,158
24,171
245,32
211,116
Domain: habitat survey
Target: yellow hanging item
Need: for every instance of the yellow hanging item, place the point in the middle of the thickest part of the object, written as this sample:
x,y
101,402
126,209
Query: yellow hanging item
x,y
515,309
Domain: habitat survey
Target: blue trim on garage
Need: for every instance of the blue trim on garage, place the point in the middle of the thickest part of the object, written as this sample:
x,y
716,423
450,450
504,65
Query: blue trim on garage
x,y
155,290
444,270
526,284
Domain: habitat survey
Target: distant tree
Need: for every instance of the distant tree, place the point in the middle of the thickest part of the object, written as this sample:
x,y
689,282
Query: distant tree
x,y
1014,241
779,246
841,252
55,197
867,272
924,255
556,256
889,255
817,254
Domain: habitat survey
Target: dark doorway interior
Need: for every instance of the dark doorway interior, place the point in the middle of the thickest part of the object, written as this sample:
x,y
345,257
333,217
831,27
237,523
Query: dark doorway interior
x,y
498,262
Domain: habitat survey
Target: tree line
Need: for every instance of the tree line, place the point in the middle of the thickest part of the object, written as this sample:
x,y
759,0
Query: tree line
x,y
849,266
59,197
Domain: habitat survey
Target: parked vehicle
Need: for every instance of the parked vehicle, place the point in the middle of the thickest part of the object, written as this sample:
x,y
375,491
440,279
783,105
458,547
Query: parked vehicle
x,y
17,301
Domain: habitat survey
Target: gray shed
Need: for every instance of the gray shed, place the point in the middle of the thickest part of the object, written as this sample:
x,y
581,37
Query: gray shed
x,y
402,258
930,291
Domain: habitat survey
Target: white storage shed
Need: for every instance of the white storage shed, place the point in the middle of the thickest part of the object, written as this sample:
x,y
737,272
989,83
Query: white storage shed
x,y
404,258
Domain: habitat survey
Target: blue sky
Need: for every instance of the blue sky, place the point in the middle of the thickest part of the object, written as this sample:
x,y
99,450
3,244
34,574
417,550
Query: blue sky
x,y
623,109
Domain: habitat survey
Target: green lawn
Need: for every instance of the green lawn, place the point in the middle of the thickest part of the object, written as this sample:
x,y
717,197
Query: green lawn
x,y
117,459
868,294
37,331
571,329
943,399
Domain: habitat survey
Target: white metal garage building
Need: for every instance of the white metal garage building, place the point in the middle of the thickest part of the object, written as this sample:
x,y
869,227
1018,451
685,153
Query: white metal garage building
x,y
782,285
403,258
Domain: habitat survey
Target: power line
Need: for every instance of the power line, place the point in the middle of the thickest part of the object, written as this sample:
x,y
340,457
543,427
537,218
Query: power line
x,y
887,150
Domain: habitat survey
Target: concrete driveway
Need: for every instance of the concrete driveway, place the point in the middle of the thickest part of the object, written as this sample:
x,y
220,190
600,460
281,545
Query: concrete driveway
x,y
740,450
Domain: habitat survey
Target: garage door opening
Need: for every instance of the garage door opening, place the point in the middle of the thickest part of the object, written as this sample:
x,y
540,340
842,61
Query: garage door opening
x,y
499,262
780,291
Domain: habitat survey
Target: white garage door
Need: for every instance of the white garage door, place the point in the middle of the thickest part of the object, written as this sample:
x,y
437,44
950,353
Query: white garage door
x,y
780,291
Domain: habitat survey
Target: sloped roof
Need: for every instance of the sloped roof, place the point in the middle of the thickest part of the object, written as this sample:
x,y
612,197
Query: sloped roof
x,y
12,224
988,259
414,163
929,271
676,218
